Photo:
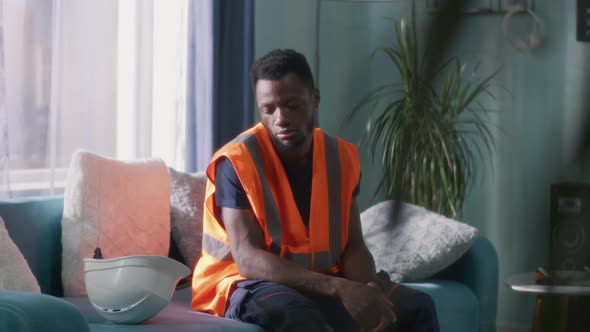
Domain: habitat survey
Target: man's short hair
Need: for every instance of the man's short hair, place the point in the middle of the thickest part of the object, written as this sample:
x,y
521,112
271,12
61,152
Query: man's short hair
x,y
277,63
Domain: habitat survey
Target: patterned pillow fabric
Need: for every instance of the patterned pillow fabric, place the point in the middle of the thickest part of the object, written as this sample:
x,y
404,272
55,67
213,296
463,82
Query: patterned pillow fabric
x,y
15,273
415,243
186,213
122,207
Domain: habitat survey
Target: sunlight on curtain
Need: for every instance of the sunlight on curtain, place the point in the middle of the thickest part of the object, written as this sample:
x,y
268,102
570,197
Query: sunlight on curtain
x,y
4,152
170,79
152,79
26,78
105,76
127,83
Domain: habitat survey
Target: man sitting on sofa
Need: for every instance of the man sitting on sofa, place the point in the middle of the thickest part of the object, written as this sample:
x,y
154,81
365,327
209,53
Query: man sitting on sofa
x,y
282,242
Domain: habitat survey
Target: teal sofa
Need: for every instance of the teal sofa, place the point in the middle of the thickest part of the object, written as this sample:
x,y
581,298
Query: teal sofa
x,y
465,293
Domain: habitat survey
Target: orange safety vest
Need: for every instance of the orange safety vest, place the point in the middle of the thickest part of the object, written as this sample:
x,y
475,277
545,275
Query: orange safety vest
x,y
336,172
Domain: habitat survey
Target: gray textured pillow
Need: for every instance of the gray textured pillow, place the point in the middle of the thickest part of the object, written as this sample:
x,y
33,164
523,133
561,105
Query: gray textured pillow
x,y
416,245
186,213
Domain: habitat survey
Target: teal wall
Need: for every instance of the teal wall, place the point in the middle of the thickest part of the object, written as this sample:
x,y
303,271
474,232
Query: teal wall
x,y
535,124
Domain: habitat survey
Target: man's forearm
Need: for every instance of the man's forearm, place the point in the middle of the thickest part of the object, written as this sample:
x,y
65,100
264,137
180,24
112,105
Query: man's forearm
x,y
358,265
357,261
260,264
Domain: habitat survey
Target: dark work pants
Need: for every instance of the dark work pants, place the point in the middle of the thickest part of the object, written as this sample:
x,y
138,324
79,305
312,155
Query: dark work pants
x,y
276,307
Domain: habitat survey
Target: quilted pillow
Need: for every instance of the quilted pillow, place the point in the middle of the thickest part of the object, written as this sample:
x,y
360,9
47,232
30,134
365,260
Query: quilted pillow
x,y
15,273
186,213
122,207
415,243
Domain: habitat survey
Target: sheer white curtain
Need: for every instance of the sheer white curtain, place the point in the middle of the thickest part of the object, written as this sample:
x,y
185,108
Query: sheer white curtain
x,y
106,76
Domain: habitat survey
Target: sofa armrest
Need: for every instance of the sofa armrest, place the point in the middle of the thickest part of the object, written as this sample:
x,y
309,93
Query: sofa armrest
x,y
37,218
478,269
24,311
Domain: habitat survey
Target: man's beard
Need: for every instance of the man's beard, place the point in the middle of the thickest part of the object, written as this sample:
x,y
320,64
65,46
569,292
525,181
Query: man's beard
x,y
282,146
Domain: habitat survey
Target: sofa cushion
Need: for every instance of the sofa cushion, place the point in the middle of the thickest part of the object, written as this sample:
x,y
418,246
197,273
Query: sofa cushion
x,y
412,243
23,311
186,213
15,273
176,316
34,224
121,207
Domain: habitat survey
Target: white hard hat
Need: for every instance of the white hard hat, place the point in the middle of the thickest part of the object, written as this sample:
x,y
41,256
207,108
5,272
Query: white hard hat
x,y
131,289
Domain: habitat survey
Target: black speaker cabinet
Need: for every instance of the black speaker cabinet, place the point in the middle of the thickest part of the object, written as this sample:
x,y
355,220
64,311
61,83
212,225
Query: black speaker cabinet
x,y
570,226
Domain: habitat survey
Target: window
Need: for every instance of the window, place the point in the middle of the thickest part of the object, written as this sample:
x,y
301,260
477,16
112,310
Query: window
x,y
104,76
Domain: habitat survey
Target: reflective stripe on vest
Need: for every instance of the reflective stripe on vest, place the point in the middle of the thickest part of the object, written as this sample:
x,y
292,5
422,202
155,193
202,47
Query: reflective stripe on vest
x,y
273,221
322,260
303,260
325,260
216,248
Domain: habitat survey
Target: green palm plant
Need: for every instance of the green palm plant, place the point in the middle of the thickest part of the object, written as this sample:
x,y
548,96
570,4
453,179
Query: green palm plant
x,y
426,132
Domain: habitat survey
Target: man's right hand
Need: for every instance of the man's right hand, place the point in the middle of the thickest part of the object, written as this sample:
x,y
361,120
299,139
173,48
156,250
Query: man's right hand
x,y
367,305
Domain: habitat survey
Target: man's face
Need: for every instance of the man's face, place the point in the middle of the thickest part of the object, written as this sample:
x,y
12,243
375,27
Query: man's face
x,y
287,109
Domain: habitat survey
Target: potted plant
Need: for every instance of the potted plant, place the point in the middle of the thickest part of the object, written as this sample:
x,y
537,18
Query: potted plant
x,y
426,132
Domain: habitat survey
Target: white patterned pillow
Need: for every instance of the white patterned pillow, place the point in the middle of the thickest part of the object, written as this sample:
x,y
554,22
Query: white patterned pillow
x,y
123,207
186,213
15,273
415,243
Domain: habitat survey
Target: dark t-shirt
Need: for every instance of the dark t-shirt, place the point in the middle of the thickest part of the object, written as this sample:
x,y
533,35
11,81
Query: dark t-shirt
x,y
230,193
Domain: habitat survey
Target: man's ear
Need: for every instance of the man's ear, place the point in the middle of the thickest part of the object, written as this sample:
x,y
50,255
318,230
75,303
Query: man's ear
x,y
316,98
315,95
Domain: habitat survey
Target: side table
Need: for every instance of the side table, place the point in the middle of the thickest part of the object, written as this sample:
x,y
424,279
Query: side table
x,y
559,307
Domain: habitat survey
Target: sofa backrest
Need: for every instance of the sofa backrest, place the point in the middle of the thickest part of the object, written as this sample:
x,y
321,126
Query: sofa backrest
x,y
34,224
